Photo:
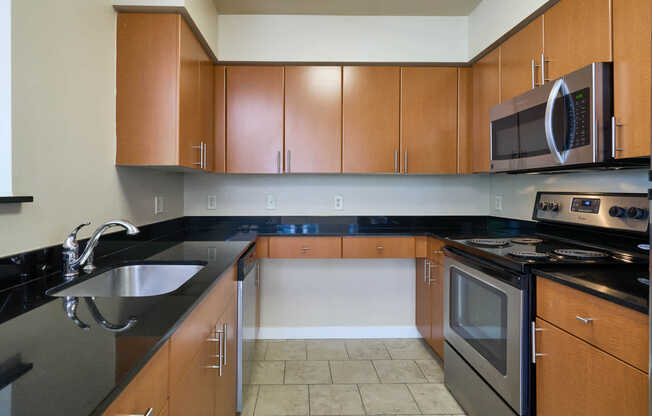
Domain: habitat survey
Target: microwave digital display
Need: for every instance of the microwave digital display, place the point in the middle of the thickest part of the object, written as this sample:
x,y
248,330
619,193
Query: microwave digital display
x,y
586,205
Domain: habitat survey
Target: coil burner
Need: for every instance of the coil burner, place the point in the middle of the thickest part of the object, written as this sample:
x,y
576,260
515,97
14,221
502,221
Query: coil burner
x,y
580,254
526,240
529,254
488,242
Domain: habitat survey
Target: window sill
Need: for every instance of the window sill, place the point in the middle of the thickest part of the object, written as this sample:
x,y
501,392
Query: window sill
x,y
15,199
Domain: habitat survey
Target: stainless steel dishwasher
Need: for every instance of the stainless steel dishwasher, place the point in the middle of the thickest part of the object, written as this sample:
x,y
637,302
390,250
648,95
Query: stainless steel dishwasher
x,y
248,317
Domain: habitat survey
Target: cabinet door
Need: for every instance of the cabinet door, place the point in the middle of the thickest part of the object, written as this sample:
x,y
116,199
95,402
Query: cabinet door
x,y
465,120
422,299
632,86
521,59
370,119
313,119
254,119
429,120
190,130
437,306
486,93
207,108
576,33
219,107
575,378
226,384
194,393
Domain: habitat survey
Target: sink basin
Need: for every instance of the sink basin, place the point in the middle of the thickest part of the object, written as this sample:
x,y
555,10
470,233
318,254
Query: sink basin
x,y
133,281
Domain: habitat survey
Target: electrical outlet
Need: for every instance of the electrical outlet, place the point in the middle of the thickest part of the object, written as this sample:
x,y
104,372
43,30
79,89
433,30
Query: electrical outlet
x,y
211,254
270,201
338,202
158,205
498,202
212,202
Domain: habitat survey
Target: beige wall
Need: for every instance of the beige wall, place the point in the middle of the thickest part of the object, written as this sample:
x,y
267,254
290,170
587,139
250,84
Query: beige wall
x,y
64,129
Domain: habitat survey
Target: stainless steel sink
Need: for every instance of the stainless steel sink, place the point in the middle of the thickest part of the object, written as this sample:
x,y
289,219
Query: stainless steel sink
x,y
133,281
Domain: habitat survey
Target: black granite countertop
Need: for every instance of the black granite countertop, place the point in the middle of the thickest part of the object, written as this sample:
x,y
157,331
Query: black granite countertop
x,y
85,370
622,285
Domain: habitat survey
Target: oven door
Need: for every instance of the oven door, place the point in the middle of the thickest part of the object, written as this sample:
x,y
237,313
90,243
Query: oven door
x,y
483,321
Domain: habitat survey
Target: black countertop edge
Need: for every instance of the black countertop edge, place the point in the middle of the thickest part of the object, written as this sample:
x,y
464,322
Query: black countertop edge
x,y
129,376
573,280
15,199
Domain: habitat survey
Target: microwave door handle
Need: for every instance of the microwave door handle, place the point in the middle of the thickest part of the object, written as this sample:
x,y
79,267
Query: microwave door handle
x,y
550,106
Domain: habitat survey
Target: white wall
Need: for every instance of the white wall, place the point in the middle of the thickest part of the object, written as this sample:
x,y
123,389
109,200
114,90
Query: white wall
x,y
349,298
493,18
64,129
5,98
519,191
342,38
313,194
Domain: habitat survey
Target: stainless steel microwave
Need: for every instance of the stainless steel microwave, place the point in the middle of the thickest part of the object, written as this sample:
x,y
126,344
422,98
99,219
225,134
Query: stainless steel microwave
x,y
562,124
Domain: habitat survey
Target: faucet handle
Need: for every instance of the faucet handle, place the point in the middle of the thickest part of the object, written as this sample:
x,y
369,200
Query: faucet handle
x,y
71,241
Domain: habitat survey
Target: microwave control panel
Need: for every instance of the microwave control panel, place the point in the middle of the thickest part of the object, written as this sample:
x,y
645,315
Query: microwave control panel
x,y
627,212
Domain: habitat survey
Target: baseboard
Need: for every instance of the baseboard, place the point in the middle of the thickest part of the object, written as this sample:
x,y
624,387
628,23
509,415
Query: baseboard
x,y
348,332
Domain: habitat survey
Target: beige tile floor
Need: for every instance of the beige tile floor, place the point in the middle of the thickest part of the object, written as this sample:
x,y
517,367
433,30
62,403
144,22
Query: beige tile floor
x,y
347,377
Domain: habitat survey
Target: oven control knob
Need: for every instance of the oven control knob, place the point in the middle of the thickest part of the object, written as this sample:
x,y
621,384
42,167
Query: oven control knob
x,y
543,205
637,213
554,206
617,211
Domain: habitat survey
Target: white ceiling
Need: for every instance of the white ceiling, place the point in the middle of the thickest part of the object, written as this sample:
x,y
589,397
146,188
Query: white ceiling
x,y
349,7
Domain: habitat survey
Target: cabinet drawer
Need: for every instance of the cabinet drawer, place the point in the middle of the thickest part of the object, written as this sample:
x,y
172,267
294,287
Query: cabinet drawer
x,y
615,329
148,390
193,332
378,247
262,247
305,247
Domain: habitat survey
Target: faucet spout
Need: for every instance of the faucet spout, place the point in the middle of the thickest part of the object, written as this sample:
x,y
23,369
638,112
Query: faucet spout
x,y
71,248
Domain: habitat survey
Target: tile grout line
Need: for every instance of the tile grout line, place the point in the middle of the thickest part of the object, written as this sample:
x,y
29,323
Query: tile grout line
x,y
364,407
413,398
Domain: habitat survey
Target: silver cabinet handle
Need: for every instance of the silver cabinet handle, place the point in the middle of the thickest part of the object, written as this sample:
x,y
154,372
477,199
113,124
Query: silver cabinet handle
x,y
405,162
543,69
425,271
437,252
584,320
289,162
219,338
278,161
614,125
201,155
224,328
304,249
380,248
534,67
149,412
205,153
534,343
430,279
395,161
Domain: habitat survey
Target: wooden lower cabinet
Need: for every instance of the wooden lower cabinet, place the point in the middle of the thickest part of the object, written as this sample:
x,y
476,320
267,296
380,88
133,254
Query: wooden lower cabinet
x,y
305,247
194,393
436,340
575,378
378,247
422,299
226,384
148,390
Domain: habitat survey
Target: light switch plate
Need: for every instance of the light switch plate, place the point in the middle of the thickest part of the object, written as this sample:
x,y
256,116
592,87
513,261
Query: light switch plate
x,y
158,205
270,201
498,202
212,202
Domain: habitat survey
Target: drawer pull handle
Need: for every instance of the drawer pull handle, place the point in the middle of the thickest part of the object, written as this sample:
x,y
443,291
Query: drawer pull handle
x,y
149,412
380,248
304,249
437,252
584,320
535,354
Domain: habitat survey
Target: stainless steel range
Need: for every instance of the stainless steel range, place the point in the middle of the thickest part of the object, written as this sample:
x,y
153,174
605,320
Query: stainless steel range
x,y
489,291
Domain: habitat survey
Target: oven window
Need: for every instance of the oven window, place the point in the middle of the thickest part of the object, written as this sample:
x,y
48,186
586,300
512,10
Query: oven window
x,y
478,313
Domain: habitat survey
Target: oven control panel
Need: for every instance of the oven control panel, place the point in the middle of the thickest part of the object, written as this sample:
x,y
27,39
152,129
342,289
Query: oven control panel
x,y
627,212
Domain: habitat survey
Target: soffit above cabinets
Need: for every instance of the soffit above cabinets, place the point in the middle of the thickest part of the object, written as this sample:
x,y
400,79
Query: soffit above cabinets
x,y
349,7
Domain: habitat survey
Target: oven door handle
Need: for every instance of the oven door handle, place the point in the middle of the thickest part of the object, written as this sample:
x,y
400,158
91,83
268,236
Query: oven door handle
x,y
559,85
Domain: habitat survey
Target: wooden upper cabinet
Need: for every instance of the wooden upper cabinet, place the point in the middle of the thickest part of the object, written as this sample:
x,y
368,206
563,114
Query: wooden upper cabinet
x,y
207,108
631,36
486,93
254,119
219,107
520,61
370,119
428,120
313,119
465,120
575,378
162,117
577,33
